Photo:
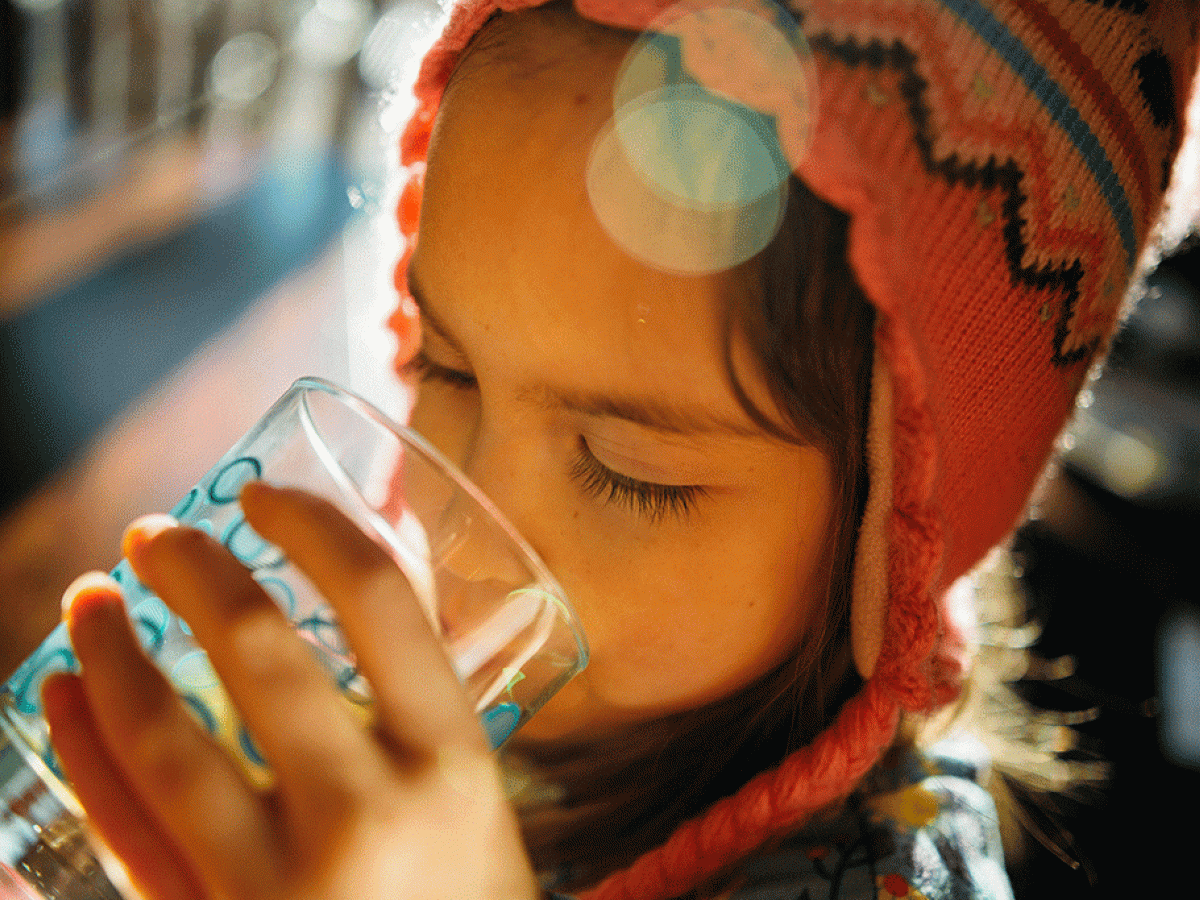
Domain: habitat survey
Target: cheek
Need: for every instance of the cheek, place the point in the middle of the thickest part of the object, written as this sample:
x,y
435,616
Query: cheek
x,y
676,629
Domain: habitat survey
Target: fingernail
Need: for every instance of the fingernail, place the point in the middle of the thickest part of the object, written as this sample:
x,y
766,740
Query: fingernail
x,y
142,530
90,591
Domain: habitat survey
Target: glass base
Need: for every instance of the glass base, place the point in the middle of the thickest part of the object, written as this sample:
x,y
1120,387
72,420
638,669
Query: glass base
x,y
45,853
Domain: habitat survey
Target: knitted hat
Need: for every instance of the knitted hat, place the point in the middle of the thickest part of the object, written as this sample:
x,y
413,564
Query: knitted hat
x,y
1002,163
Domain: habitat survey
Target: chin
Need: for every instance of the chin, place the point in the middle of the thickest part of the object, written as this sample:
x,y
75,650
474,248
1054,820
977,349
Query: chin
x,y
577,714
570,715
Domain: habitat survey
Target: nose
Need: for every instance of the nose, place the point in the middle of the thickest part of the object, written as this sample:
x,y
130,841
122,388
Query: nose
x,y
489,462
492,612
487,449
464,541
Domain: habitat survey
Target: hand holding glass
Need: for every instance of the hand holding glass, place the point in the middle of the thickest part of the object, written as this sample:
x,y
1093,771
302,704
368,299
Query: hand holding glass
x,y
508,630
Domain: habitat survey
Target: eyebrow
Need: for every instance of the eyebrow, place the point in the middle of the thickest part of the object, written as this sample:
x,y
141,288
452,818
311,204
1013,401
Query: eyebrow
x,y
647,411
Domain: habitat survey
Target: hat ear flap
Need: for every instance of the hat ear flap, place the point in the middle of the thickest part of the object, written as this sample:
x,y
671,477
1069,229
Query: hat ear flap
x,y
869,599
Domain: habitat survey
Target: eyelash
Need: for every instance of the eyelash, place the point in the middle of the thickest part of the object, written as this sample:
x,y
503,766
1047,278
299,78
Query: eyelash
x,y
653,501
424,369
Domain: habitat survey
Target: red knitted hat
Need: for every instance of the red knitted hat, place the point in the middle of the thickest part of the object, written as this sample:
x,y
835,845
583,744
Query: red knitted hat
x,y
1002,163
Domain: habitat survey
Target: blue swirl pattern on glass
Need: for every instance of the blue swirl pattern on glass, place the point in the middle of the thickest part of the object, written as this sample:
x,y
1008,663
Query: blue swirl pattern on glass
x,y
212,506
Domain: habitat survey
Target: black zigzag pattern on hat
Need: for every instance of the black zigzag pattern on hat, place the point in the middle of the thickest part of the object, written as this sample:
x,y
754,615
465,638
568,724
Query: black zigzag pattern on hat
x,y
1061,278
1134,6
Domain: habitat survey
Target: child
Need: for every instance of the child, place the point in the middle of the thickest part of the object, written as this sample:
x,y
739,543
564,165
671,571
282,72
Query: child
x,y
762,351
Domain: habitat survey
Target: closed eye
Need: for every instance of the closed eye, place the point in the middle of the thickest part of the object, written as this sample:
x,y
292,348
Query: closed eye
x,y
644,498
422,368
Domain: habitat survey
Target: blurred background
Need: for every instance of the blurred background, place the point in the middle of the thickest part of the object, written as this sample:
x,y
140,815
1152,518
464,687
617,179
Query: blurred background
x,y
1110,570
194,211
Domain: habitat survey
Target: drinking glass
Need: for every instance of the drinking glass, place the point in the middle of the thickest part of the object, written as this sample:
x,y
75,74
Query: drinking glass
x,y
504,621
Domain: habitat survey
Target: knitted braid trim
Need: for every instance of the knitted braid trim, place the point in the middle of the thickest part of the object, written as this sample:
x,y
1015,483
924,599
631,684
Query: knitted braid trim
x,y
907,668
770,805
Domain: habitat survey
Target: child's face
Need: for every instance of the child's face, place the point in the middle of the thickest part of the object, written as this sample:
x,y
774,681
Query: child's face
x,y
575,361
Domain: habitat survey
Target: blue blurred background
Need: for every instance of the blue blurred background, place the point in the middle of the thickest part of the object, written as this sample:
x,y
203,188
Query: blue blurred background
x,y
194,203
194,211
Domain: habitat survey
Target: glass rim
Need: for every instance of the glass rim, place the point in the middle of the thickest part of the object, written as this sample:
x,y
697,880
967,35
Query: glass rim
x,y
433,456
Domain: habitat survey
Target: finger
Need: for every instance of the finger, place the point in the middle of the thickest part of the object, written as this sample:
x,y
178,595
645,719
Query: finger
x,y
192,787
312,741
419,700
114,810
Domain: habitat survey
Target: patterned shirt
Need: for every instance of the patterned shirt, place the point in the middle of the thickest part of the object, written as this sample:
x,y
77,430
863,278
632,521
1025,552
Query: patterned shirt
x,y
927,831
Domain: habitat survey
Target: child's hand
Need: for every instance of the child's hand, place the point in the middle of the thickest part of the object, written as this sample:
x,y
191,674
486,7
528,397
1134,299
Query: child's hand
x,y
412,808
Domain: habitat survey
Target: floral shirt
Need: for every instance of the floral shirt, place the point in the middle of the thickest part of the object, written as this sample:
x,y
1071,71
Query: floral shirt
x,y
928,830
